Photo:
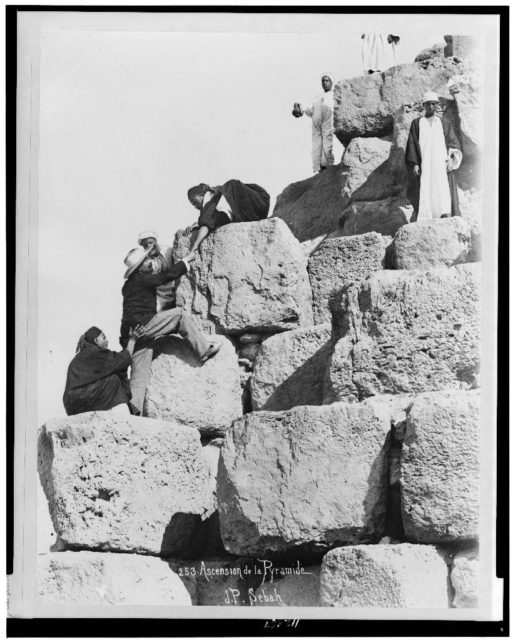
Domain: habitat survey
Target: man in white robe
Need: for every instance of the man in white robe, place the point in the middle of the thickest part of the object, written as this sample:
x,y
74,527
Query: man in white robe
x,y
433,154
321,112
379,51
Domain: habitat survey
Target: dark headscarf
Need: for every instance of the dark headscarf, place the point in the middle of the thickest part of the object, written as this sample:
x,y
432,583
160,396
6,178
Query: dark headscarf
x,y
88,338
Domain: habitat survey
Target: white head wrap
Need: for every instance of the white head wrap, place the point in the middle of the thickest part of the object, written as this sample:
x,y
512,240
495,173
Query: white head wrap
x,y
330,76
146,234
430,96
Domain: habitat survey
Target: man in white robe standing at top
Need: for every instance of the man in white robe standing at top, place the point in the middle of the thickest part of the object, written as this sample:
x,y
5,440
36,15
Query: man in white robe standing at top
x,y
433,153
321,112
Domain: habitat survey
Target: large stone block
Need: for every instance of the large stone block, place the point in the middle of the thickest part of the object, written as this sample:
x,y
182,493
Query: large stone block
x,y
313,206
89,578
290,369
125,483
465,580
249,276
398,576
205,397
444,242
366,171
365,105
407,332
290,591
341,261
382,216
440,467
306,479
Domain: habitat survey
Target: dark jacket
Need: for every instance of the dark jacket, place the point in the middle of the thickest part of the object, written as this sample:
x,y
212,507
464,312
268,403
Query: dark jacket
x,y
248,202
96,380
140,297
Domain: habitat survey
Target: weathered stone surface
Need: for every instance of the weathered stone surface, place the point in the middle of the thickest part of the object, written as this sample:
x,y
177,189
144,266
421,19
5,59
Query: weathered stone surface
x,y
249,276
406,332
465,580
290,591
427,55
432,243
312,207
471,208
306,479
399,576
366,172
461,47
440,467
125,483
382,216
89,578
205,397
290,369
365,105
341,261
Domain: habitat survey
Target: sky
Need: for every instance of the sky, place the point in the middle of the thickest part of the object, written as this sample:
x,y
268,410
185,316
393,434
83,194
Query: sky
x,y
129,120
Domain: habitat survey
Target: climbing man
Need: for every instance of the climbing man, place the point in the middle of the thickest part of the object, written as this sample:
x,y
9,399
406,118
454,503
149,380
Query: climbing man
x,y
321,112
433,154
140,310
161,258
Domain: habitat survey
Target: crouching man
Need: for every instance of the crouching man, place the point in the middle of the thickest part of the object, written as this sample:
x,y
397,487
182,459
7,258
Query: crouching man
x,y
140,308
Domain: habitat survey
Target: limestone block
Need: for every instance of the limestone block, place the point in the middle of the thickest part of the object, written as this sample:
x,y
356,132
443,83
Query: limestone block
x,y
290,591
340,261
382,216
125,483
407,332
309,478
440,467
432,243
313,206
90,578
366,172
427,56
365,105
465,580
290,369
249,276
205,397
471,209
391,576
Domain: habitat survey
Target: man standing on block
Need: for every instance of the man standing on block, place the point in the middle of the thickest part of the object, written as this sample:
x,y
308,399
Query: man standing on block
x,y
321,112
140,310
433,153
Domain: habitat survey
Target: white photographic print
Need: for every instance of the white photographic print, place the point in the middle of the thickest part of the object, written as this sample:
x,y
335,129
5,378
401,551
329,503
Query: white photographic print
x,y
256,315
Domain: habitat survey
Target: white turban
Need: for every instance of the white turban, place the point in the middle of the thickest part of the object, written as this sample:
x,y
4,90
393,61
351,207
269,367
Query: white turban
x,y
144,235
330,76
430,96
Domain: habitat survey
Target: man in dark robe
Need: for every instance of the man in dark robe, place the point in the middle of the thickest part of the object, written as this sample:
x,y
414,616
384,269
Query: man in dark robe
x,y
97,377
433,153
234,201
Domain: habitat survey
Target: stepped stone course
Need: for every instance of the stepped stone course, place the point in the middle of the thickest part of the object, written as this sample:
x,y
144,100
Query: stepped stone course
x,y
205,397
465,580
341,261
399,575
406,332
385,216
365,105
290,369
432,243
308,478
125,483
89,578
440,467
249,276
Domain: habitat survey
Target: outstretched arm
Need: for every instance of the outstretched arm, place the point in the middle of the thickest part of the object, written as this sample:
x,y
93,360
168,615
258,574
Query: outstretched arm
x,y
202,234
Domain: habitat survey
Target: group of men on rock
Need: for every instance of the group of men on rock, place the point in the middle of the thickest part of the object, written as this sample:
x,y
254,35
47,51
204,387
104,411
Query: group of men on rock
x,y
97,377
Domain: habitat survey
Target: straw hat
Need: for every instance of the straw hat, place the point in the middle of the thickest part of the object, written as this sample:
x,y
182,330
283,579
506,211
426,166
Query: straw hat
x,y
134,260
